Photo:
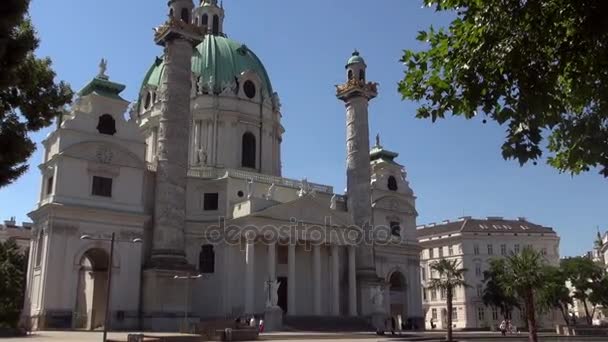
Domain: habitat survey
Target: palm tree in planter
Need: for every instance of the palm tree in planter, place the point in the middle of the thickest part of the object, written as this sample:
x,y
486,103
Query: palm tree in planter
x,y
523,277
451,276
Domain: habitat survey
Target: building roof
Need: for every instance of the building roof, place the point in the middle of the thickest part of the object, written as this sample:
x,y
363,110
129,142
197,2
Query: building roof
x,y
21,234
355,58
487,225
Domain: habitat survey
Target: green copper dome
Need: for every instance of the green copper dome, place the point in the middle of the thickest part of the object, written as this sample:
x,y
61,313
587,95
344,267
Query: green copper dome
x,y
219,59
355,58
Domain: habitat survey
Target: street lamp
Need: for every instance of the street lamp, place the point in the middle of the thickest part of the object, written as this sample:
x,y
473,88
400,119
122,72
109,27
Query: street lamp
x,y
109,284
187,278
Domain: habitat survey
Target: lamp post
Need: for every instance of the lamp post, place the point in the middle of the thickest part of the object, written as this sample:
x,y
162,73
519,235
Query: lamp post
x,y
187,279
109,282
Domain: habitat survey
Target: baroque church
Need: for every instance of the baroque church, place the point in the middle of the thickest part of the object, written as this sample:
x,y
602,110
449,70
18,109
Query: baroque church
x,y
184,202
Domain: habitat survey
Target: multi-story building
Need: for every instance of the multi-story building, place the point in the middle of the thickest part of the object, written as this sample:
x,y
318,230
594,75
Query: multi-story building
x,y
21,234
474,243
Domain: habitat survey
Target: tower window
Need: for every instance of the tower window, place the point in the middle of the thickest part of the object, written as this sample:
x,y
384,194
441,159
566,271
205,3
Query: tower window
x,y
206,259
204,20
211,201
49,185
106,125
395,229
148,101
216,25
186,15
249,89
392,183
102,186
362,75
248,150
350,74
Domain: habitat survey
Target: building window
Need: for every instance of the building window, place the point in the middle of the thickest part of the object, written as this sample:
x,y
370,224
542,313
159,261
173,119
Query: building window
x,y
543,251
186,15
39,247
148,100
479,291
459,249
350,74
423,272
204,20
206,259
503,249
362,75
476,249
431,253
516,249
451,250
395,229
216,25
102,186
392,184
490,249
478,270
211,201
433,294
49,185
441,252
249,89
434,314
454,314
481,314
442,293
106,125
424,294
494,313
248,150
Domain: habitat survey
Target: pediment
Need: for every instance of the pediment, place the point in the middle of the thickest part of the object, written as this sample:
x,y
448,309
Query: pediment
x,y
103,153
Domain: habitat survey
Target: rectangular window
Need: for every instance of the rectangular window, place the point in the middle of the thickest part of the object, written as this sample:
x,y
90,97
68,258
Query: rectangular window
x,y
476,249
434,314
443,293
490,249
479,290
459,249
49,185
503,249
433,294
431,253
441,252
481,314
494,313
454,314
102,186
211,201
478,270
516,248
451,250
424,294
206,259
423,273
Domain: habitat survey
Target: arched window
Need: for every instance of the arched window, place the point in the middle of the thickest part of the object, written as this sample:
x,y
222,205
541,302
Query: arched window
x,y
39,247
216,25
196,21
362,75
204,20
248,150
206,259
395,228
186,15
106,125
171,12
147,101
396,282
392,183
350,75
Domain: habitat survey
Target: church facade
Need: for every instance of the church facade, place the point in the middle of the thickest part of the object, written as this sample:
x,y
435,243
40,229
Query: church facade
x,y
190,189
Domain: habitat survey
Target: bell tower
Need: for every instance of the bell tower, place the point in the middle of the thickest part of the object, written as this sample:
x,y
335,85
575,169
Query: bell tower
x,y
210,16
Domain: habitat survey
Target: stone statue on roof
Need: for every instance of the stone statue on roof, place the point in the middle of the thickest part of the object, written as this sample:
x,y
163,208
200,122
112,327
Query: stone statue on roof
x,y
103,67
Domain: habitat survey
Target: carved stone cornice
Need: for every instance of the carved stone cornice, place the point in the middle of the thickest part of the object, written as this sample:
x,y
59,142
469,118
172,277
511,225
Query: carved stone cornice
x,y
174,28
355,87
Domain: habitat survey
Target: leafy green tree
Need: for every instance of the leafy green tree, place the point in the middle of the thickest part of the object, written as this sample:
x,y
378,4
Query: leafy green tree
x,y
538,67
451,277
493,293
522,277
583,274
29,96
13,269
555,294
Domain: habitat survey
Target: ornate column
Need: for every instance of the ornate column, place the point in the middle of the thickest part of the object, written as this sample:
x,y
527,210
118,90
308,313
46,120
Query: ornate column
x,y
168,245
352,282
249,277
291,279
272,261
335,284
316,283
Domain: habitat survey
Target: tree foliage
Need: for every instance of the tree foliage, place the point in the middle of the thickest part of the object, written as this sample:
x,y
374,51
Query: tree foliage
x,y
538,67
585,276
555,294
13,270
29,96
493,293
451,277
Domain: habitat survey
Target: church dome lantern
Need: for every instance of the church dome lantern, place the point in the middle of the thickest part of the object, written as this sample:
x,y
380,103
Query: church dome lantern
x,y
210,16
355,67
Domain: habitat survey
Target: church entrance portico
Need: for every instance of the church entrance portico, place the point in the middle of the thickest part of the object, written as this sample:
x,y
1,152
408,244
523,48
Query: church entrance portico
x,y
91,290
397,296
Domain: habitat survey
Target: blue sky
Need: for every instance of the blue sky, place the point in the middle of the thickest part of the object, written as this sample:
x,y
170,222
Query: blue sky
x,y
454,166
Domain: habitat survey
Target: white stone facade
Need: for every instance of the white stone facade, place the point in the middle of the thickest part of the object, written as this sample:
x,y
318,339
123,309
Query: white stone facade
x,y
222,209
474,243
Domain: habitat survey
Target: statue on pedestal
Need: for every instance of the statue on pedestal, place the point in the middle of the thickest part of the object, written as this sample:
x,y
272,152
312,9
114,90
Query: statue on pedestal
x,y
333,202
250,188
377,298
272,288
271,191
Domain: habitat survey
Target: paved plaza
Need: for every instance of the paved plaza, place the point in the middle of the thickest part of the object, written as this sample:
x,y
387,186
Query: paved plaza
x,y
58,336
